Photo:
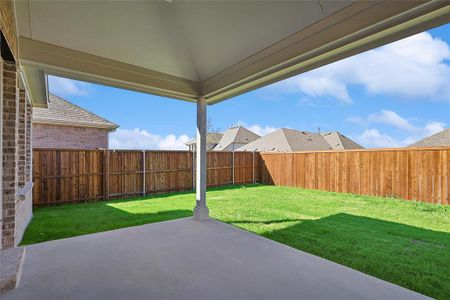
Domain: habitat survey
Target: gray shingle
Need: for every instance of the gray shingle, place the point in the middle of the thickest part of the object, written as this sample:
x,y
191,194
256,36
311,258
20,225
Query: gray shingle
x,y
63,112
338,141
235,137
288,140
439,139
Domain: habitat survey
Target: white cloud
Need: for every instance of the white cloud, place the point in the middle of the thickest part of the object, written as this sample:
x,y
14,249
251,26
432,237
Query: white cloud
x,y
142,139
391,118
67,87
410,68
434,127
320,86
411,133
258,129
261,130
374,138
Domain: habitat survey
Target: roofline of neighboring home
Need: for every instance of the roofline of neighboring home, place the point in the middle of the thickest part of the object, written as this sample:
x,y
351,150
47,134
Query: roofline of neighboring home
x,y
110,127
195,142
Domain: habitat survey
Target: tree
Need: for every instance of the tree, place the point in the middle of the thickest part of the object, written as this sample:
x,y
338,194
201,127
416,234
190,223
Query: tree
x,y
210,126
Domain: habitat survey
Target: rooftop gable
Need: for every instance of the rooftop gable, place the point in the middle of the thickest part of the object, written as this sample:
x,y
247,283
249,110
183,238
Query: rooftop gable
x,y
236,136
338,141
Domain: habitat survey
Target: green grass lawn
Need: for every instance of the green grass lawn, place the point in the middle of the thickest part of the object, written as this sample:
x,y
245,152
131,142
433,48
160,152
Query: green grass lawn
x,y
402,242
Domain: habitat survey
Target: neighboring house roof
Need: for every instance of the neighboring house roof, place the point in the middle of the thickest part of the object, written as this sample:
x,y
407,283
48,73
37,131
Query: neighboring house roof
x,y
287,140
338,141
62,112
237,135
438,139
211,138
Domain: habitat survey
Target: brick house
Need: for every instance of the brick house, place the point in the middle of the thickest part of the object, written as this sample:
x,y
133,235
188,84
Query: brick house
x,y
65,125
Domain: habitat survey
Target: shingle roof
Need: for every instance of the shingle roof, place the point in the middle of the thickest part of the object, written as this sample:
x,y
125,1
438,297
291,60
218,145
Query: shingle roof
x,y
238,136
439,139
211,138
338,141
63,112
287,140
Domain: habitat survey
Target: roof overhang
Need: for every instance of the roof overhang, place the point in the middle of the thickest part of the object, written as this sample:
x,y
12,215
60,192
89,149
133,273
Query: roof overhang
x,y
337,32
55,122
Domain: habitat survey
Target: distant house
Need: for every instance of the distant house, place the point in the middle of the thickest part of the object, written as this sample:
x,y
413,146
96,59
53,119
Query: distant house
x,y
212,139
288,140
66,125
439,139
230,140
235,138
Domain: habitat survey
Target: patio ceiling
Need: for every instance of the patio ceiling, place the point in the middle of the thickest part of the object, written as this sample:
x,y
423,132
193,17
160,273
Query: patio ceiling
x,y
217,49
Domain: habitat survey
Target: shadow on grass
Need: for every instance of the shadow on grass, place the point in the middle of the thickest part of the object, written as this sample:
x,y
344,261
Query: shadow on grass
x,y
409,256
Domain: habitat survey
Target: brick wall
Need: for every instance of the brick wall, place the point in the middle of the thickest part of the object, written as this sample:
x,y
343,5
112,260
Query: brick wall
x,y
21,138
10,153
16,186
68,137
24,202
28,148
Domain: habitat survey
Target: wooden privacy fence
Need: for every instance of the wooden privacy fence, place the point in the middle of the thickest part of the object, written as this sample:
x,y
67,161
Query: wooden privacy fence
x,y
420,174
63,176
67,176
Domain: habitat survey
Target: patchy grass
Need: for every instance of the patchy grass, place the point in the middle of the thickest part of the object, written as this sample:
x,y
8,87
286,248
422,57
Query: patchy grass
x,y
402,242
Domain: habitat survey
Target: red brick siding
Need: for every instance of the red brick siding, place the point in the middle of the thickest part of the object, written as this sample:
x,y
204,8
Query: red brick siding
x,y
68,137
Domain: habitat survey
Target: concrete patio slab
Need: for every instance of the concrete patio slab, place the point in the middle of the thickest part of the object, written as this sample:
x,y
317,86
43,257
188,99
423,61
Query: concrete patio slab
x,y
187,259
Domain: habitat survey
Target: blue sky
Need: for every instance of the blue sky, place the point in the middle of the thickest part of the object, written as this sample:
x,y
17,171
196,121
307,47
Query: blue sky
x,y
386,97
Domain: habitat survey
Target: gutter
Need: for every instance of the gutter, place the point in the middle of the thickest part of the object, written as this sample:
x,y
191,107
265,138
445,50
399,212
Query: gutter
x,y
74,123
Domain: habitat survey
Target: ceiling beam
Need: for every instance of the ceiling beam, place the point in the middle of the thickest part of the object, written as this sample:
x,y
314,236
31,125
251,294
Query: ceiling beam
x,y
35,82
64,62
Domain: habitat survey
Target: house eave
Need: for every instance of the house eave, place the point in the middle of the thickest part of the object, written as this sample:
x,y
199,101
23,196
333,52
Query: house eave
x,y
74,124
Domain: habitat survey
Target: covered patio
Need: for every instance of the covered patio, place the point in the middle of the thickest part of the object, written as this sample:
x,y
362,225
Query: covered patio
x,y
185,259
203,52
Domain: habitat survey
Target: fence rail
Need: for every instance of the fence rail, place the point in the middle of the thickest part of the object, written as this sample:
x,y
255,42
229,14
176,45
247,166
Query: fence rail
x,y
68,176
65,176
420,174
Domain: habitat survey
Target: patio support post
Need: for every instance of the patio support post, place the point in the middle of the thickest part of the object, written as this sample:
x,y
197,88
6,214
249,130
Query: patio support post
x,y
201,212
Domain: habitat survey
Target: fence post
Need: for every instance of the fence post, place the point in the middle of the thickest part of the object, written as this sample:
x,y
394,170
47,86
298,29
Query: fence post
x,y
105,174
143,174
253,167
232,166
193,169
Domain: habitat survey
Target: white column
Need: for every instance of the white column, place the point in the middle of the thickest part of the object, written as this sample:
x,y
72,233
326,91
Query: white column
x,y
201,212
